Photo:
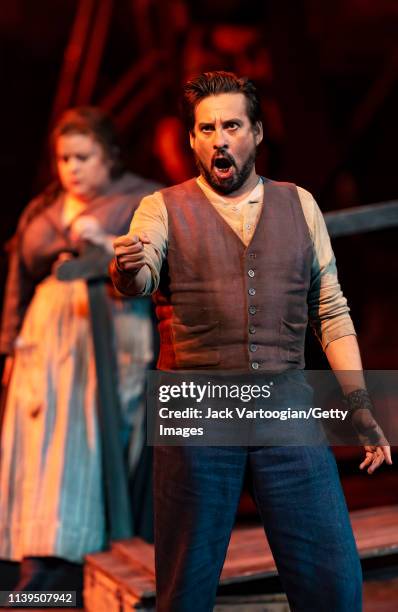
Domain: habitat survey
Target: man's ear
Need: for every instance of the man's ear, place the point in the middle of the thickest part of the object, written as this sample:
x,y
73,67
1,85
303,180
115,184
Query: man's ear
x,y
191,138
258,132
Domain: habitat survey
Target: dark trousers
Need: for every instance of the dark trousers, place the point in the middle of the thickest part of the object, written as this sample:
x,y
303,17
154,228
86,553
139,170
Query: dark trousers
x,y
302,506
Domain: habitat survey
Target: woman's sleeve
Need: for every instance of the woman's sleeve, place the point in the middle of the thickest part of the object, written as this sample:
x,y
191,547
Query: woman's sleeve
x,y
20,285
18,293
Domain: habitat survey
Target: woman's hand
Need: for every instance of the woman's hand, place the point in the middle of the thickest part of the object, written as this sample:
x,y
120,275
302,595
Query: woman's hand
x,y
87,228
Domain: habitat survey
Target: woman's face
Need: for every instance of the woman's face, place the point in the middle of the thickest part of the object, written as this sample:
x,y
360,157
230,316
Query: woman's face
x,y
83,168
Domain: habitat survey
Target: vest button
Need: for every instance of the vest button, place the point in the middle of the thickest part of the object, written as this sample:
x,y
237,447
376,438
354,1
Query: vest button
x,y
251,273
255,365
253,348
252,329
252,256
252,310
252,291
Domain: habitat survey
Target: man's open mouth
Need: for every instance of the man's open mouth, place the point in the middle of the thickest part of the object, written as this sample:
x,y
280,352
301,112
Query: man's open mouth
x,y
223,167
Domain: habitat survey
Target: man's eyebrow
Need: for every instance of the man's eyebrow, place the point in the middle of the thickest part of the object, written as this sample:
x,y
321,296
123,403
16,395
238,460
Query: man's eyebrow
x,y
233,120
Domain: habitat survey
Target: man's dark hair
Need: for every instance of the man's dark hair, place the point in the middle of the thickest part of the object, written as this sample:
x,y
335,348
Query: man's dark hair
x,y
214,83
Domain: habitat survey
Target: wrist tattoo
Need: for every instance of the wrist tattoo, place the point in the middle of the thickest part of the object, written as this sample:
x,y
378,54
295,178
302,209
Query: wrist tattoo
x,y
358,400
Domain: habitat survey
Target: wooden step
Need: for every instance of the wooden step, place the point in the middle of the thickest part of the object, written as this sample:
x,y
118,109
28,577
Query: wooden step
x,y
125,575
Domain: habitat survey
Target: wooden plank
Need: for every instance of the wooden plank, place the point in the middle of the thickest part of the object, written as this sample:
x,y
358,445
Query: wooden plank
x,y
376,530
249,555
124,573
103,593
136,551
129,565
252,603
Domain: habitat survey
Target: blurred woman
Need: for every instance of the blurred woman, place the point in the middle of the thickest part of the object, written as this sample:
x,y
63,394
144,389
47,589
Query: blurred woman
x,y
51,495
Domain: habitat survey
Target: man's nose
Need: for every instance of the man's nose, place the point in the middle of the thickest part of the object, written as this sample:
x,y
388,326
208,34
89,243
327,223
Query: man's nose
x,y
220,140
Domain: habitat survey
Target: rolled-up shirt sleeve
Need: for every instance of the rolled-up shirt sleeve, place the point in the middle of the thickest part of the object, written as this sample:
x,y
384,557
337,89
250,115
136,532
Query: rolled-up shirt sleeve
x,y
150,218
328,310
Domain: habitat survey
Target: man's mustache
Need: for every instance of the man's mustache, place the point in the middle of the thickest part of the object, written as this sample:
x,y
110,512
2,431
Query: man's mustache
x,y
220,154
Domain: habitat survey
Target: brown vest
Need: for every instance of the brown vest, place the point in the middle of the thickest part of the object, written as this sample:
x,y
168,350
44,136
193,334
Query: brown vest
x,y
225,306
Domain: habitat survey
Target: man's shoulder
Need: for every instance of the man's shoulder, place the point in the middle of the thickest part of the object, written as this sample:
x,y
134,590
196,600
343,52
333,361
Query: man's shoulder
x,y
282,184
282,190
306,198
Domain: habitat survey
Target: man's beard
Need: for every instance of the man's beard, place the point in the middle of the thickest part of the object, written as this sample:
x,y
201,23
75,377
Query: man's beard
x,y
228,186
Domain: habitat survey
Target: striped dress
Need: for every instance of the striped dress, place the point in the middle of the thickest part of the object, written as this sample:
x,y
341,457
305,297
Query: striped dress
x,y
51,491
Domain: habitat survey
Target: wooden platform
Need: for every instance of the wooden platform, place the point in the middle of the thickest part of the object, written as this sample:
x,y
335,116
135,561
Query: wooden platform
x,y
126,573
249,556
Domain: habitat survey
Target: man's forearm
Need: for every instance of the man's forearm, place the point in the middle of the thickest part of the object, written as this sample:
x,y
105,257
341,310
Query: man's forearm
x,y
345,360
129,283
